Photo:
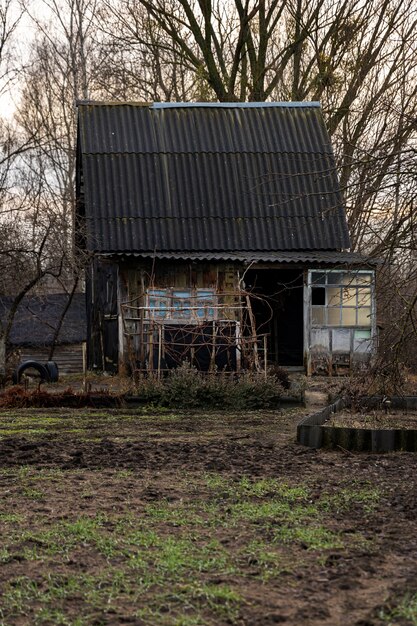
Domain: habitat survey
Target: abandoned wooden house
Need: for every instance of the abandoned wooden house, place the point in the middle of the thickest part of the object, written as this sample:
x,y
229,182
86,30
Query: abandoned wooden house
x,y
217,235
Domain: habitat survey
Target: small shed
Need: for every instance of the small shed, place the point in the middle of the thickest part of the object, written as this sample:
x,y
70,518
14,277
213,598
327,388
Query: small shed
x,y
218,235
35,323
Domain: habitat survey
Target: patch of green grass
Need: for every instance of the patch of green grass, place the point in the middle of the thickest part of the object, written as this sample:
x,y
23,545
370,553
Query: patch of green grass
x,y
11,518
178,558
249,488
367,497
57,617
405,610
182,514
310,536
5,555
274,510
125,473
33,494
220,598
162,556
264,556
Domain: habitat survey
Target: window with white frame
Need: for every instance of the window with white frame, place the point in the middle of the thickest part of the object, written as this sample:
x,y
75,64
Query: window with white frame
x,y
341,298
176,305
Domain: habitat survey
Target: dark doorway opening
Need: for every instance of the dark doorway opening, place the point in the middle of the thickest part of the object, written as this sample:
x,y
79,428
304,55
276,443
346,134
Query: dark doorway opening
x,y
277,304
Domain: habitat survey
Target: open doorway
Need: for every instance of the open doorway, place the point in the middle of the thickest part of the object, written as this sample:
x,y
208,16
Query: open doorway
x,y
277,304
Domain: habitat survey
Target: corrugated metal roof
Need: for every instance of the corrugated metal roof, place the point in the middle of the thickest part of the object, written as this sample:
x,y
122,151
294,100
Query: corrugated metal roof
x,y
37,317
196,178
322,257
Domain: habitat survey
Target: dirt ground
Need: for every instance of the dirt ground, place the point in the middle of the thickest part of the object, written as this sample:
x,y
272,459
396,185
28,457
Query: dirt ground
x,y
126,518
392,418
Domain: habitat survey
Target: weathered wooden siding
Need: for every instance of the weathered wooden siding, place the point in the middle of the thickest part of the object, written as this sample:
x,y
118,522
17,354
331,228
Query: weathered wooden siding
x,y
134,280
68,357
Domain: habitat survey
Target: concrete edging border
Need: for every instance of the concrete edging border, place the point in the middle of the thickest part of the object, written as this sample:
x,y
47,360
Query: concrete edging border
x,y
313,432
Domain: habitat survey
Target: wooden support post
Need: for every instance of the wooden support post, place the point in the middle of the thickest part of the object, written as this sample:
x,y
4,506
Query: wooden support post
x,y
213,349
150,357
254,335
84,349
142,303
103,360
265,355
159,350
238,347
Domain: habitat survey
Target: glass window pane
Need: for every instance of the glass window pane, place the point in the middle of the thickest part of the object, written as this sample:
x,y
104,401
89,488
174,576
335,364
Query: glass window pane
x,y
349,317
364,279
181,293
318,295
349,296
362,341
349,279
204,311
318,315
334,316
318,278
205,293
158,307
364,297
364,316
179,309
333,296
205,299
335,278
157,304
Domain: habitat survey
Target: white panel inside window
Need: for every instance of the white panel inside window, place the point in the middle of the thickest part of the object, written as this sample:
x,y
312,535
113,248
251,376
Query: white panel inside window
x,y
320,339
364,297
318,315
364,279
349,296
340,340
364,316
333,296
333,315
348,316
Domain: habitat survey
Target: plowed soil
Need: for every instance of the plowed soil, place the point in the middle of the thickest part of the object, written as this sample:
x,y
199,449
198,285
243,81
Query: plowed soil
x,y
111,518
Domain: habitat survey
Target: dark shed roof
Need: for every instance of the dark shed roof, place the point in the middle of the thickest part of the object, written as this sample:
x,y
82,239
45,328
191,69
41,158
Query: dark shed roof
x,y
37,317
209,177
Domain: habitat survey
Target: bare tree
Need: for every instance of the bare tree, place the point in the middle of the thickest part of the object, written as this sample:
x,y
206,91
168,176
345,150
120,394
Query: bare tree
x,y
357,58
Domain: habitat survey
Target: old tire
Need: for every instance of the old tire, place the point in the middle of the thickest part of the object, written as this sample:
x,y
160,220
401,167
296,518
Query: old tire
x,y
52,368
41,369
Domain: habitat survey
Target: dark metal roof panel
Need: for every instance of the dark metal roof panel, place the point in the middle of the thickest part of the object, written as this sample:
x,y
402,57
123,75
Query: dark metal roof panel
x,y
204,201
37,317
143,129
209,178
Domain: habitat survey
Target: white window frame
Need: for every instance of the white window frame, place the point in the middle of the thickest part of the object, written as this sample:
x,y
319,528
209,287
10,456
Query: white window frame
x,y
354,285
181,305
